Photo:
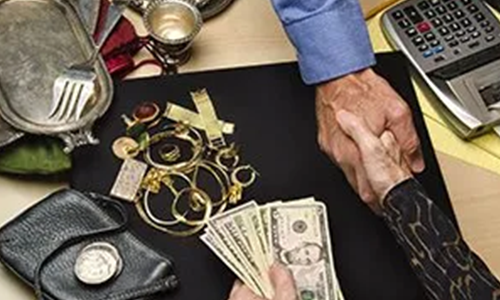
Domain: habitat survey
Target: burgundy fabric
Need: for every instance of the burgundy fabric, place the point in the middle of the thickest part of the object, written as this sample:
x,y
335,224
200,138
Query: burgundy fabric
x,y
121,45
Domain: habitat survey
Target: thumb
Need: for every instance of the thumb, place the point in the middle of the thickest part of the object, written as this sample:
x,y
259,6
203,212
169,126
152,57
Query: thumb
x,y
283,283
357,129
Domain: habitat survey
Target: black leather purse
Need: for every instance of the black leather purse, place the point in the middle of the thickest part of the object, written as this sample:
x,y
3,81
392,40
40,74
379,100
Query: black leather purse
x,y
42,245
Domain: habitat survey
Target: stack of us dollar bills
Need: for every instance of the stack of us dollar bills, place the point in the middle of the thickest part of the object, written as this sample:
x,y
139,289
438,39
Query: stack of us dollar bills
x,y
250,238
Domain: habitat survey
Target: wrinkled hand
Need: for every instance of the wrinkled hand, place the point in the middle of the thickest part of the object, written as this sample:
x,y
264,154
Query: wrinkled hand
x,y
381,157
366,95
283,285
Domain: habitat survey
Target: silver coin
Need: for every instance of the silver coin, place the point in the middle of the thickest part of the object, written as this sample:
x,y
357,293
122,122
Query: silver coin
x,y
98,263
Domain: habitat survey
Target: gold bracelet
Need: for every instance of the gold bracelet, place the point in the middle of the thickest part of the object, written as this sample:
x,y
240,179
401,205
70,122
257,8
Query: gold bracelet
x,y
152,184
224,182
152,217
205,201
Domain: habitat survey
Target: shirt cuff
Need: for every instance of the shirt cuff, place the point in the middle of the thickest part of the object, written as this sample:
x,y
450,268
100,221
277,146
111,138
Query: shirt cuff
x,y
331,44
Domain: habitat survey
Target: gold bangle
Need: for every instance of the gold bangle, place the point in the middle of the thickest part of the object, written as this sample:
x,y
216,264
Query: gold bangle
x,y
152,217
223,182
177,233
206,202
152,184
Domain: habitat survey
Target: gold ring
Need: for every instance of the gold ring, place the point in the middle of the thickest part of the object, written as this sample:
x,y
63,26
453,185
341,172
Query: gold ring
x,y
170,152
182,132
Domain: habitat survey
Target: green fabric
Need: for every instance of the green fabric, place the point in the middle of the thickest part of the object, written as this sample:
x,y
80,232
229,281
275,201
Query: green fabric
x,y
34,155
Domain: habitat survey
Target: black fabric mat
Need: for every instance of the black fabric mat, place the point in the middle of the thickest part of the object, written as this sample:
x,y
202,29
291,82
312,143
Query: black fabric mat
x,y
276,128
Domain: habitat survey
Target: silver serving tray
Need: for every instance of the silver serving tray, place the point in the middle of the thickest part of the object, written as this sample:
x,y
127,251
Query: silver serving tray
x,y
8,134
38,40
211,9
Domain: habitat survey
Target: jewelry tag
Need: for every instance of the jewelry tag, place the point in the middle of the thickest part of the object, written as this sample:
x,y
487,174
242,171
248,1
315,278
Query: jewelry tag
x,y
129,179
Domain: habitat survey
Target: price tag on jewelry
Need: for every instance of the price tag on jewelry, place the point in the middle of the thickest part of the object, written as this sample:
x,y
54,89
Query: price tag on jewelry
x,y
129,179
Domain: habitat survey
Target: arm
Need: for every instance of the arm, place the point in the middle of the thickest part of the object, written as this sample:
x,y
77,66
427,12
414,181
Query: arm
x,y
334,52
442,260
330,37
444,264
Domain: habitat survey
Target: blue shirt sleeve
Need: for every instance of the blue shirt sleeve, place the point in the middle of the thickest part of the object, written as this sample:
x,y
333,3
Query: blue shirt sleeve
x,y
330,37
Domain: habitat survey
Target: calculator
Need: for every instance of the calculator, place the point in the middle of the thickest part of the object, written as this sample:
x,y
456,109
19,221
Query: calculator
x,y
455,46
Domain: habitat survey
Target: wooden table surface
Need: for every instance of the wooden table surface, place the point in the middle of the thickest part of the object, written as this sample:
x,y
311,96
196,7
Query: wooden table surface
x,y
250,34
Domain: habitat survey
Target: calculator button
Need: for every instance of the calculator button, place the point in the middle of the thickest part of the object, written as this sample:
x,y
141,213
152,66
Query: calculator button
x,y
435,2
423,5
471,29
479,17
453,43
428,53
460,33
485,24
489,29
452,6
475,34
411,32
423,27
417,41
435,43
454,27
430,14
444,31
459,14
466,2
413,14
449,38
465,39
441,10
440,58
448,18
466,22
474,45
457,51
489,38
438,49
397,15
430,36
404,24
473,8
437,22
423,48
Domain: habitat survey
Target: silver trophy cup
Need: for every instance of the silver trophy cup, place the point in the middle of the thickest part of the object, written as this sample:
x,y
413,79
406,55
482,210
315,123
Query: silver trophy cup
x,y
172,25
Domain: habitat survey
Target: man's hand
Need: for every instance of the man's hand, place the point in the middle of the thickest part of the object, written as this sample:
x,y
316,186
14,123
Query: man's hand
x,y
283,285
381,157
366,95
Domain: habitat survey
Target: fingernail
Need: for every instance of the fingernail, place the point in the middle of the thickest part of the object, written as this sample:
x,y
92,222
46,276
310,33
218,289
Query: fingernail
x,y
417,163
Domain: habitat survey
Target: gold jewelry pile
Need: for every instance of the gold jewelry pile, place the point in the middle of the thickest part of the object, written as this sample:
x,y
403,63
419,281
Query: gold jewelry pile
x,y
176,157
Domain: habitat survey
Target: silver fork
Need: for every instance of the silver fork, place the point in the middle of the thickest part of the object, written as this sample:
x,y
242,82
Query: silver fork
x,y
74,87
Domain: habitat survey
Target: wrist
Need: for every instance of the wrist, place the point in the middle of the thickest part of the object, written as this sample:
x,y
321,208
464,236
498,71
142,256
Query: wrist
x,y
357,80
399,187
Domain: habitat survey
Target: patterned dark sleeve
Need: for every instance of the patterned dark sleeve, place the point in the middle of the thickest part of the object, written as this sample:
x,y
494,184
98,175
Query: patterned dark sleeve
x,y
443,262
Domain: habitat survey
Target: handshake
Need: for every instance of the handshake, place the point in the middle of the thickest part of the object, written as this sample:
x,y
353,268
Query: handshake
x,y
367,129
281,223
